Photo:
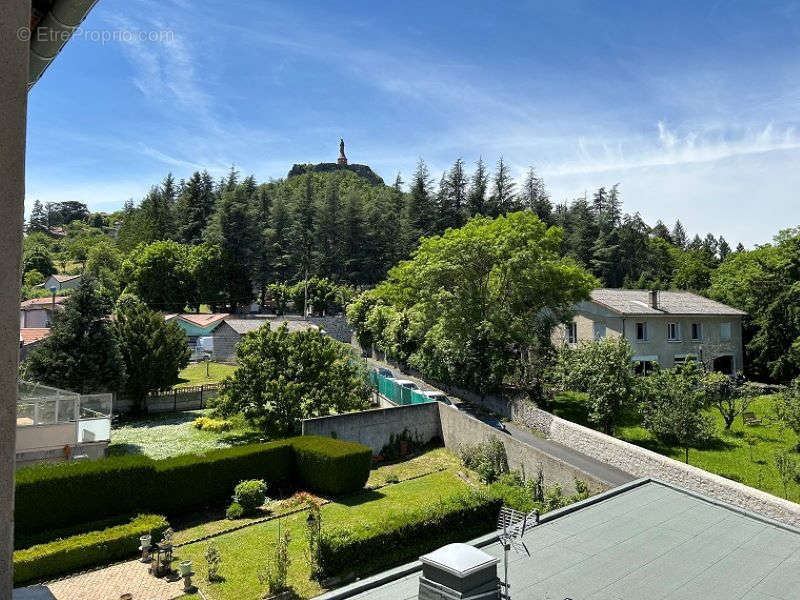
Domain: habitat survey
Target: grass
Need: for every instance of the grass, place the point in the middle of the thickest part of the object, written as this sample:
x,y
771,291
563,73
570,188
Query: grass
x,y
170,434
728,454
245,553
195,374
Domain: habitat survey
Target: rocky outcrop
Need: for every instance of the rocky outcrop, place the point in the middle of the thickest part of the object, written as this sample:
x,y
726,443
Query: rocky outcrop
x,y
362,171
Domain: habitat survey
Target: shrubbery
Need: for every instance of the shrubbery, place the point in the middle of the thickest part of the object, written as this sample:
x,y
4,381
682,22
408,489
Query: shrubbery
x,y
214,425
64,495
330,466
405,535
251,494
487,458
234,511
86,550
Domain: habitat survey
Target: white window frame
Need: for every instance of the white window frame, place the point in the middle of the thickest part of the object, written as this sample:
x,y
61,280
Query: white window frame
x,y
571,333
677,329
722,336
699,327
644,337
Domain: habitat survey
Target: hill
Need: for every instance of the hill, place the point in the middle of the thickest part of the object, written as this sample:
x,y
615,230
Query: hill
x,y
360,170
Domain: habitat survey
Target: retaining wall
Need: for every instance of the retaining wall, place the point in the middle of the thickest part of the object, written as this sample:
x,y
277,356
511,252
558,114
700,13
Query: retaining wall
x,y
374,427
459,428
641,462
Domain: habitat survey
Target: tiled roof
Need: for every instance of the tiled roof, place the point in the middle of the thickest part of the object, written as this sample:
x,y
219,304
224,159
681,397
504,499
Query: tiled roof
x,y
243,326
29,335
637,302
35,303
203,319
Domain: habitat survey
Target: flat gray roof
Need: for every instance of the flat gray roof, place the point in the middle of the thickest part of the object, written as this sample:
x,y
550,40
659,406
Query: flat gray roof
x,y
644,541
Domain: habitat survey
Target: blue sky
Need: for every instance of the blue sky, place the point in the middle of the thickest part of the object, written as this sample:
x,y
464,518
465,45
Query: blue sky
x,y
691,106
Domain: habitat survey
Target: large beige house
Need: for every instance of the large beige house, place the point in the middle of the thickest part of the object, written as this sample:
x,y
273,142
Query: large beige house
x,y
663,328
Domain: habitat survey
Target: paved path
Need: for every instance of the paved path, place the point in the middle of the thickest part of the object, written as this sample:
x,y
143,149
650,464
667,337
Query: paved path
x,y
110,583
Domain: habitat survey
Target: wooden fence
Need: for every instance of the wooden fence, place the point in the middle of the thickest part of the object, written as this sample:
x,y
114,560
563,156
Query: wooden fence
x,y
175,400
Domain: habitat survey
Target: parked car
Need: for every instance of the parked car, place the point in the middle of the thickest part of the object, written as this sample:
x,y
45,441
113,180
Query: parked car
x,y
440,397
496,423
384,372
407,383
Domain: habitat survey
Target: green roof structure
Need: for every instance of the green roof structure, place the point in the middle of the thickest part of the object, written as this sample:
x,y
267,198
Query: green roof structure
x,y
645,540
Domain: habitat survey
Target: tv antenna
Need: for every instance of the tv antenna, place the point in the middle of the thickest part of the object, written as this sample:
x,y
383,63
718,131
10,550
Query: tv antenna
x,y
512,525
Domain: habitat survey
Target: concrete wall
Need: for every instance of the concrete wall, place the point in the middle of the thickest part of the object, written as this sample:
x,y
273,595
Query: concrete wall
x,y
641,462
459,429
374,427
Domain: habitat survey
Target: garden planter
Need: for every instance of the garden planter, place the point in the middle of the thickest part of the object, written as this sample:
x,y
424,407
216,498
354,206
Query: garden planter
x,y
185,567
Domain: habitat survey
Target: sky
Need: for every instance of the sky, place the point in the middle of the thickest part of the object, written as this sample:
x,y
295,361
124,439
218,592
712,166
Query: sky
x,y
692,107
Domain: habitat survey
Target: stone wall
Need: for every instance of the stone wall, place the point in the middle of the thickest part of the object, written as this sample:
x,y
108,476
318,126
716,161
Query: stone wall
x,y
374,427
641,462
459,428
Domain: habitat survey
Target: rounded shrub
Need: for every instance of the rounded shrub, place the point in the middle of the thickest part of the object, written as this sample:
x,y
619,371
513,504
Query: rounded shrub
x,y
235,511
250,494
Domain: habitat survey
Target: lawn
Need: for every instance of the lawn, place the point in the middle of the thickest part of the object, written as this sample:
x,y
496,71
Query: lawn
x,y
245,552
195,373
170,434
728,454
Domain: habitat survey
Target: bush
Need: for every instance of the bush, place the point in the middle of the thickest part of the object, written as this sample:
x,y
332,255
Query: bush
x,y
330,466
87,550
404,536
235,511
487,458
251,494
213,425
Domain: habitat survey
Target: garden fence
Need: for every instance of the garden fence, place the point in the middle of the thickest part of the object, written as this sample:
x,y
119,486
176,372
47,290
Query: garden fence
x,y
175,400
397,394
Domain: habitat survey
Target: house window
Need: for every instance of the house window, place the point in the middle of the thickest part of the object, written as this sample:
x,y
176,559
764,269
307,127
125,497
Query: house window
x,y
572,333
599,331
645,367
641,332
697,331
724,332
673,332
682,358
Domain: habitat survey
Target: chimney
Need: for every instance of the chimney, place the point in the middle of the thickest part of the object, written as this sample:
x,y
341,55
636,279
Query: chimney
x,y
654,299
459,572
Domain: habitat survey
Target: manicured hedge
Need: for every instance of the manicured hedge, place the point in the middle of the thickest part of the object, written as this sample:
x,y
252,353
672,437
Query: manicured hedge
x,y
402,537
84,551
58,496
330,466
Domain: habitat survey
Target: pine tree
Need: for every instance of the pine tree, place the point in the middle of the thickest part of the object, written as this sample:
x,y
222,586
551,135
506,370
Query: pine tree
x,y
195,205
328,233
454,201
502,200
81,353
660,231
419,211
534,197
696,243
303,226
476,199
353,225
583,232
279,238
739,247
679,235
723,248
38,218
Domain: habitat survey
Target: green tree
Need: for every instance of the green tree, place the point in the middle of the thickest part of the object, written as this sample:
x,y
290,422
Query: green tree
x,y
475,296
328,232
603,369
453,197
731,396
207,272
81,353
195,205
534,197
38,258
503,198
38,217
672,407
420,213
103,263
678,235
786,465
279,239
281,294
153,350
787,408
479,185
160,275
285,377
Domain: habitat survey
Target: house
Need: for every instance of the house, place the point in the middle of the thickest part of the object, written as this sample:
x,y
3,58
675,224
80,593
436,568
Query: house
x,y
230,332
196,325
61,282
38,312
642,540
29,337
663,327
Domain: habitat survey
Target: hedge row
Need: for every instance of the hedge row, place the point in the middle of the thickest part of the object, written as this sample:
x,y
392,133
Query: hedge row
x,y
330,468
402,537
63,495
84,551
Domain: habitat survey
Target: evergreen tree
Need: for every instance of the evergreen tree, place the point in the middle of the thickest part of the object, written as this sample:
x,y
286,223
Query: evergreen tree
x,y
38,218
739,247
696,243
303,227
502,199
534,197
328,233
81,353
476,199
583,232
279,238
660,231
723,248
419,213
454,201
679,235
195,205
353,227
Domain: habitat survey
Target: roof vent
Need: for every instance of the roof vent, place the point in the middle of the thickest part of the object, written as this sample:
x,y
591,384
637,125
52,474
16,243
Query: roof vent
x,y
654,299
459,572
